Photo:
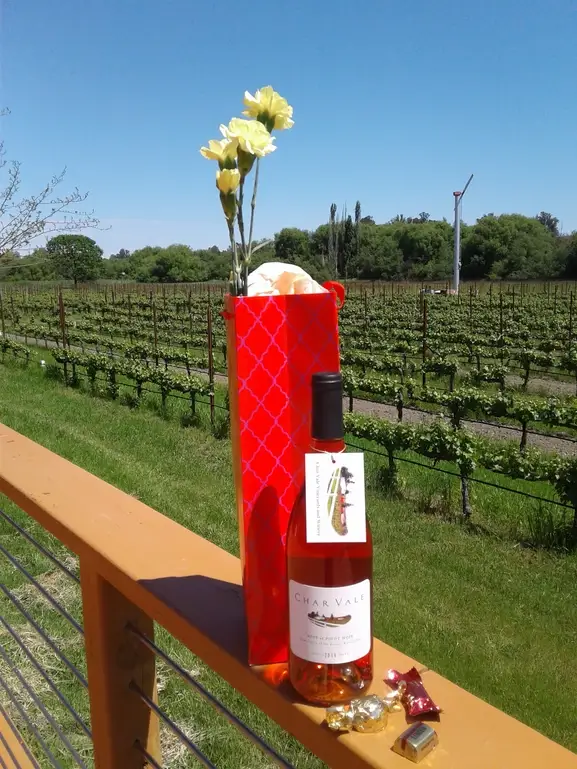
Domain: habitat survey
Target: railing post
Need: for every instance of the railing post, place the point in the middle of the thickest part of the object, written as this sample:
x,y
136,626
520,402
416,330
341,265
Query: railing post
x,y
114,658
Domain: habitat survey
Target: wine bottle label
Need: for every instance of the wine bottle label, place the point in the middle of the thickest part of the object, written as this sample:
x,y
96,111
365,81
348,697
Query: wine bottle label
x,y
330,624
335,497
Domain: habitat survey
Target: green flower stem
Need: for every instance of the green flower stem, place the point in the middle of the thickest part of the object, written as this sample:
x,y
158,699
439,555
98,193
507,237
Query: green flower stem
x,y
235,286
241,217
252,208
245,255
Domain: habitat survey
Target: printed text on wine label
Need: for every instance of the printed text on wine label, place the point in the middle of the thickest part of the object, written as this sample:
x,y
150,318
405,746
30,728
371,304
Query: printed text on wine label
x,y
335,497
330,624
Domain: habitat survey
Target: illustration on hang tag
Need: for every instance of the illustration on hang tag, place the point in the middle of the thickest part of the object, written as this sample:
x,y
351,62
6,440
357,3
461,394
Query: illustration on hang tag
x,y
335,497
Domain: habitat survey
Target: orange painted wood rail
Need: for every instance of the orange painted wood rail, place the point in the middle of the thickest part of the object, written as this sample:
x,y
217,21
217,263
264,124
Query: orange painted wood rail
x,y
139,566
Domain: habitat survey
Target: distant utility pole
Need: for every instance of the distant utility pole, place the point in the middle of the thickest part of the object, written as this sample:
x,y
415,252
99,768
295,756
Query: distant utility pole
x,y
457,252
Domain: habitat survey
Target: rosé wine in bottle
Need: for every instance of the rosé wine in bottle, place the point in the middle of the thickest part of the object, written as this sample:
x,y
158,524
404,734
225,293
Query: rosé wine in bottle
x,y
329,562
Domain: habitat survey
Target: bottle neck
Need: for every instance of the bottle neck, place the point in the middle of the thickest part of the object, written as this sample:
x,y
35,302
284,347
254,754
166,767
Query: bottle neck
x,y
328,447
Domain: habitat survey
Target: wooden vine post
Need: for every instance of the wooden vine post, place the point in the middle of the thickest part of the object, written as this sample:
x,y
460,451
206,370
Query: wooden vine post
x,y
502,348
155,325
555,300
210,362
425,316
62,318
190,312
2,316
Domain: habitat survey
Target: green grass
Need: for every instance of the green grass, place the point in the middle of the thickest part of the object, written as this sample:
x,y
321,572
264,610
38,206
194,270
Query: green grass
x,y
497,618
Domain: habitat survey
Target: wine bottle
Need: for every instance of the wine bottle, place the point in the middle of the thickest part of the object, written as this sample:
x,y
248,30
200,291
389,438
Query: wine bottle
x,y
329,562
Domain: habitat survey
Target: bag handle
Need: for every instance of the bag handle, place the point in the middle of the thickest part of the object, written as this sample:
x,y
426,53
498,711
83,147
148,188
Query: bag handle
x,y
338,289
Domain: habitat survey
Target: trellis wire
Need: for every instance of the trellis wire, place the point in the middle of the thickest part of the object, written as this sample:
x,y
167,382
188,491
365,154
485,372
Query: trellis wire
x,y
458,475
403,459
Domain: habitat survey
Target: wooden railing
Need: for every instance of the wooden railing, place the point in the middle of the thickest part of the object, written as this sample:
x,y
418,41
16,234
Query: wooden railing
x,y
138,568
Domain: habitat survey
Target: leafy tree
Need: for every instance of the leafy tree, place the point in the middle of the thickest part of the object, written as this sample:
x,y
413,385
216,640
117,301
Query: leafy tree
x,y
380,258
510,245
75,257
420,219
358,228
426,248
569,256
320,244
346,246
24,218
292,244
549,221
367,220
139,264
178,264
34,267
216,263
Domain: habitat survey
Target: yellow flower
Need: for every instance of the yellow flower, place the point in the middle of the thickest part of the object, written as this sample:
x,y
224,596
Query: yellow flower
x,y
252,136
223,150
269,108
227,180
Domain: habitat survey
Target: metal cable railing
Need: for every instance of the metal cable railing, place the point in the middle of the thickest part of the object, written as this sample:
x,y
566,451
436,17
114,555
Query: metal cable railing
x,y
186,741
56,561
211,699
32,698
45,637
29,723
64,701
145,754
26,703
53,602
41,707
23,745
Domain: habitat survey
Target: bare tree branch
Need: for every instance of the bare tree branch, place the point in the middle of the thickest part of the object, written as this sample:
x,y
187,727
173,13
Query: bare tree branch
x,y
22,219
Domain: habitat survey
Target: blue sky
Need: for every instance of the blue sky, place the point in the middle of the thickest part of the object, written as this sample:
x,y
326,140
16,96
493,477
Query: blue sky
x,y
395,103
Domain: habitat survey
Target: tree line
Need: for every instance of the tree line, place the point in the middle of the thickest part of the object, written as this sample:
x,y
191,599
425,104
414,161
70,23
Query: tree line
x,y
496,247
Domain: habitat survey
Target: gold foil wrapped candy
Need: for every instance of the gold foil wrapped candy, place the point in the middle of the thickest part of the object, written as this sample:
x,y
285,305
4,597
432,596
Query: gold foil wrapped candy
x,y
393,700
366,714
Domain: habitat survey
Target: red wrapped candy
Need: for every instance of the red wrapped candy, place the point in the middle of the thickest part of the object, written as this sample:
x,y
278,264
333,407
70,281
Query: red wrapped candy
x,y
413,694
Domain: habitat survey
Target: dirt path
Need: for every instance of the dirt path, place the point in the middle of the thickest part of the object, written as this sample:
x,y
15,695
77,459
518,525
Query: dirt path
x,y
415,416
542,386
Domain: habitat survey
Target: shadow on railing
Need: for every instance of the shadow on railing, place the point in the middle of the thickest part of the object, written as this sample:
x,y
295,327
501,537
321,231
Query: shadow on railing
x,y
122,633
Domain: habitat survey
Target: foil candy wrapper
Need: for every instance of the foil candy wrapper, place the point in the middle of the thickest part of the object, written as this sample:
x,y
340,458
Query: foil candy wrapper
x,y
413,695
416,742
365,714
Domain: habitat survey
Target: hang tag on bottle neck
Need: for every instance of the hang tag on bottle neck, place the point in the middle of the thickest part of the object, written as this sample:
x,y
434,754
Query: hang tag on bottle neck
x,y
335,497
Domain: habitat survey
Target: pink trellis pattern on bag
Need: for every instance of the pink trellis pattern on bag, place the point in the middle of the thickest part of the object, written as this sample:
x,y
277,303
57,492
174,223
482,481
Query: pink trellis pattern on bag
x,y
275,344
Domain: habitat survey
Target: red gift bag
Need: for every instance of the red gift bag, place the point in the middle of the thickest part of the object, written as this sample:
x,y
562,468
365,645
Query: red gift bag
x,y
275,344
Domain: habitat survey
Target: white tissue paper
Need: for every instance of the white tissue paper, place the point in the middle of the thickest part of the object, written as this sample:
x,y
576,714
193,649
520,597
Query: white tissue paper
x,y
276,279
